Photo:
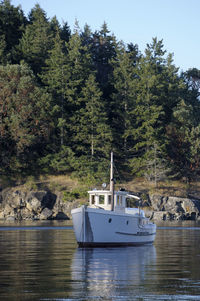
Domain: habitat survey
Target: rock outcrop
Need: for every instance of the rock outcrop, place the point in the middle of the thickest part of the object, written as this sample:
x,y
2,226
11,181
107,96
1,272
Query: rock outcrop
x,y
173,208
17,204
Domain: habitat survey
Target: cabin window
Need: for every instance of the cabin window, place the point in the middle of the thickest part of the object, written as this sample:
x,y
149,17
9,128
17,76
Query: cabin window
x,y
109,199
93,199
131,203
110,220
101,199
127,222
119,200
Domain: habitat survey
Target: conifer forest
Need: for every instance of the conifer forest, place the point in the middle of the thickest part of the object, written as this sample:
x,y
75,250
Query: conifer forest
x,y
68,97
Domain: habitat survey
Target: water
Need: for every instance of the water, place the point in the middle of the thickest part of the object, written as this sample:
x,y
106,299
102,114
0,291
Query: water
x,y
41,261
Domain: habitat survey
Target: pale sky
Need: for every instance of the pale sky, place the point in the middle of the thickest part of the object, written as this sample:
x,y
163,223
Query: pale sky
x,y
177,22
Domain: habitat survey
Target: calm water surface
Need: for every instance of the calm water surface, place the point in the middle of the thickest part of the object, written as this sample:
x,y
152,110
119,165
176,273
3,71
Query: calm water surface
x,y
41,261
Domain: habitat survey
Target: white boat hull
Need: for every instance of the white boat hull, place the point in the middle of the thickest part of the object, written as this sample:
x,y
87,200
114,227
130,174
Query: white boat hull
x,y
97,227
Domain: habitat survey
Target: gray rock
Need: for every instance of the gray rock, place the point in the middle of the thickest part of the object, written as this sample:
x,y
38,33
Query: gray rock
x,y
39,195
17,202
158,216
157,202
30,205
8,210
10,218
27,214
177,208
63,206
148,213
2,216
191,206
14,198
45,214
33,204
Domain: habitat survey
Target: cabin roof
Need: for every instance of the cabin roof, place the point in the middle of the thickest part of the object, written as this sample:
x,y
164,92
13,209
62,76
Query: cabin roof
x,y
99,192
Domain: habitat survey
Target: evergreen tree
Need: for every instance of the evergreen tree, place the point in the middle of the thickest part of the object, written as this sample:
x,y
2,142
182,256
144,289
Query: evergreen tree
x,y
65,32
92,135
192,77
3,56
54,26
78,65
103,49
158,89
12,25
36,40
78,69
123,102
156,166
54,76
191,92
24,120
92,132
80,93
86,36
183,130
97,94
65,77
184,136
134,52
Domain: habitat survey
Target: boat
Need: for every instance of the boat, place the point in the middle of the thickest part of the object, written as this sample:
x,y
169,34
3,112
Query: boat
x,y
108,222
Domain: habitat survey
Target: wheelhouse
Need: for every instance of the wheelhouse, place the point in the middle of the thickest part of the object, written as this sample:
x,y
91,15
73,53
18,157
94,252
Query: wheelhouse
x,y
102,199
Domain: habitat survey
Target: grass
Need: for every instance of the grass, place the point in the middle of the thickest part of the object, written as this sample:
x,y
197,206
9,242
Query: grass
x,y
168,188
71,188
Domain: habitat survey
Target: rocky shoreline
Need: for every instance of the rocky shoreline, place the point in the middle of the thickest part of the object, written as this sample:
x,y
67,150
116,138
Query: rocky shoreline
x,y
16,204
161,208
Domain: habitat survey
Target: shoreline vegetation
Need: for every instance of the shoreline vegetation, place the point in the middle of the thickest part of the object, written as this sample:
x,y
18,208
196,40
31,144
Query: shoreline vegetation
x,y
67,184
68,97
53,197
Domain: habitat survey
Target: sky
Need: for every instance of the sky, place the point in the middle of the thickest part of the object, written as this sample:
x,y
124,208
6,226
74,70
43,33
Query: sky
x,y
177,22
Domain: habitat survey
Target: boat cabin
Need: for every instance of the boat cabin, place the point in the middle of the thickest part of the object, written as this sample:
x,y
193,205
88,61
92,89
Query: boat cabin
x,y
102,199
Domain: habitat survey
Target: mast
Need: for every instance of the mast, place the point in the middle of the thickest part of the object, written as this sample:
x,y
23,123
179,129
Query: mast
x,y
112,182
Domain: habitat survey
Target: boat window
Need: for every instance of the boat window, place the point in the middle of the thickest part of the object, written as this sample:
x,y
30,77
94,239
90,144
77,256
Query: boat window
x,y
93,199
109,199
110,220
127,222
101,199
131,203
119,200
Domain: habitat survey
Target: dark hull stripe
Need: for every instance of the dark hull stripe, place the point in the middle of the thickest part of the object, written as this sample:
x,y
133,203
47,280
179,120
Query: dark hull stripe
x,y
113,244
136,234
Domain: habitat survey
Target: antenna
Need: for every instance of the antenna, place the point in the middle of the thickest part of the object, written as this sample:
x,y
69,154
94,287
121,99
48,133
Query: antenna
x,y
112,182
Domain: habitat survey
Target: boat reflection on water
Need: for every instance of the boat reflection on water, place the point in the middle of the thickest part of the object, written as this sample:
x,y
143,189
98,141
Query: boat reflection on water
x,y
107,272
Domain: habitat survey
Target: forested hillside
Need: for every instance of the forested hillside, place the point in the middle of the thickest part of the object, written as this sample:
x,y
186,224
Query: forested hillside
x,y
70,96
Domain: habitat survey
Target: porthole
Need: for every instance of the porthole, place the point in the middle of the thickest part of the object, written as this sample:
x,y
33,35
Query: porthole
x,y
127,222
110,220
